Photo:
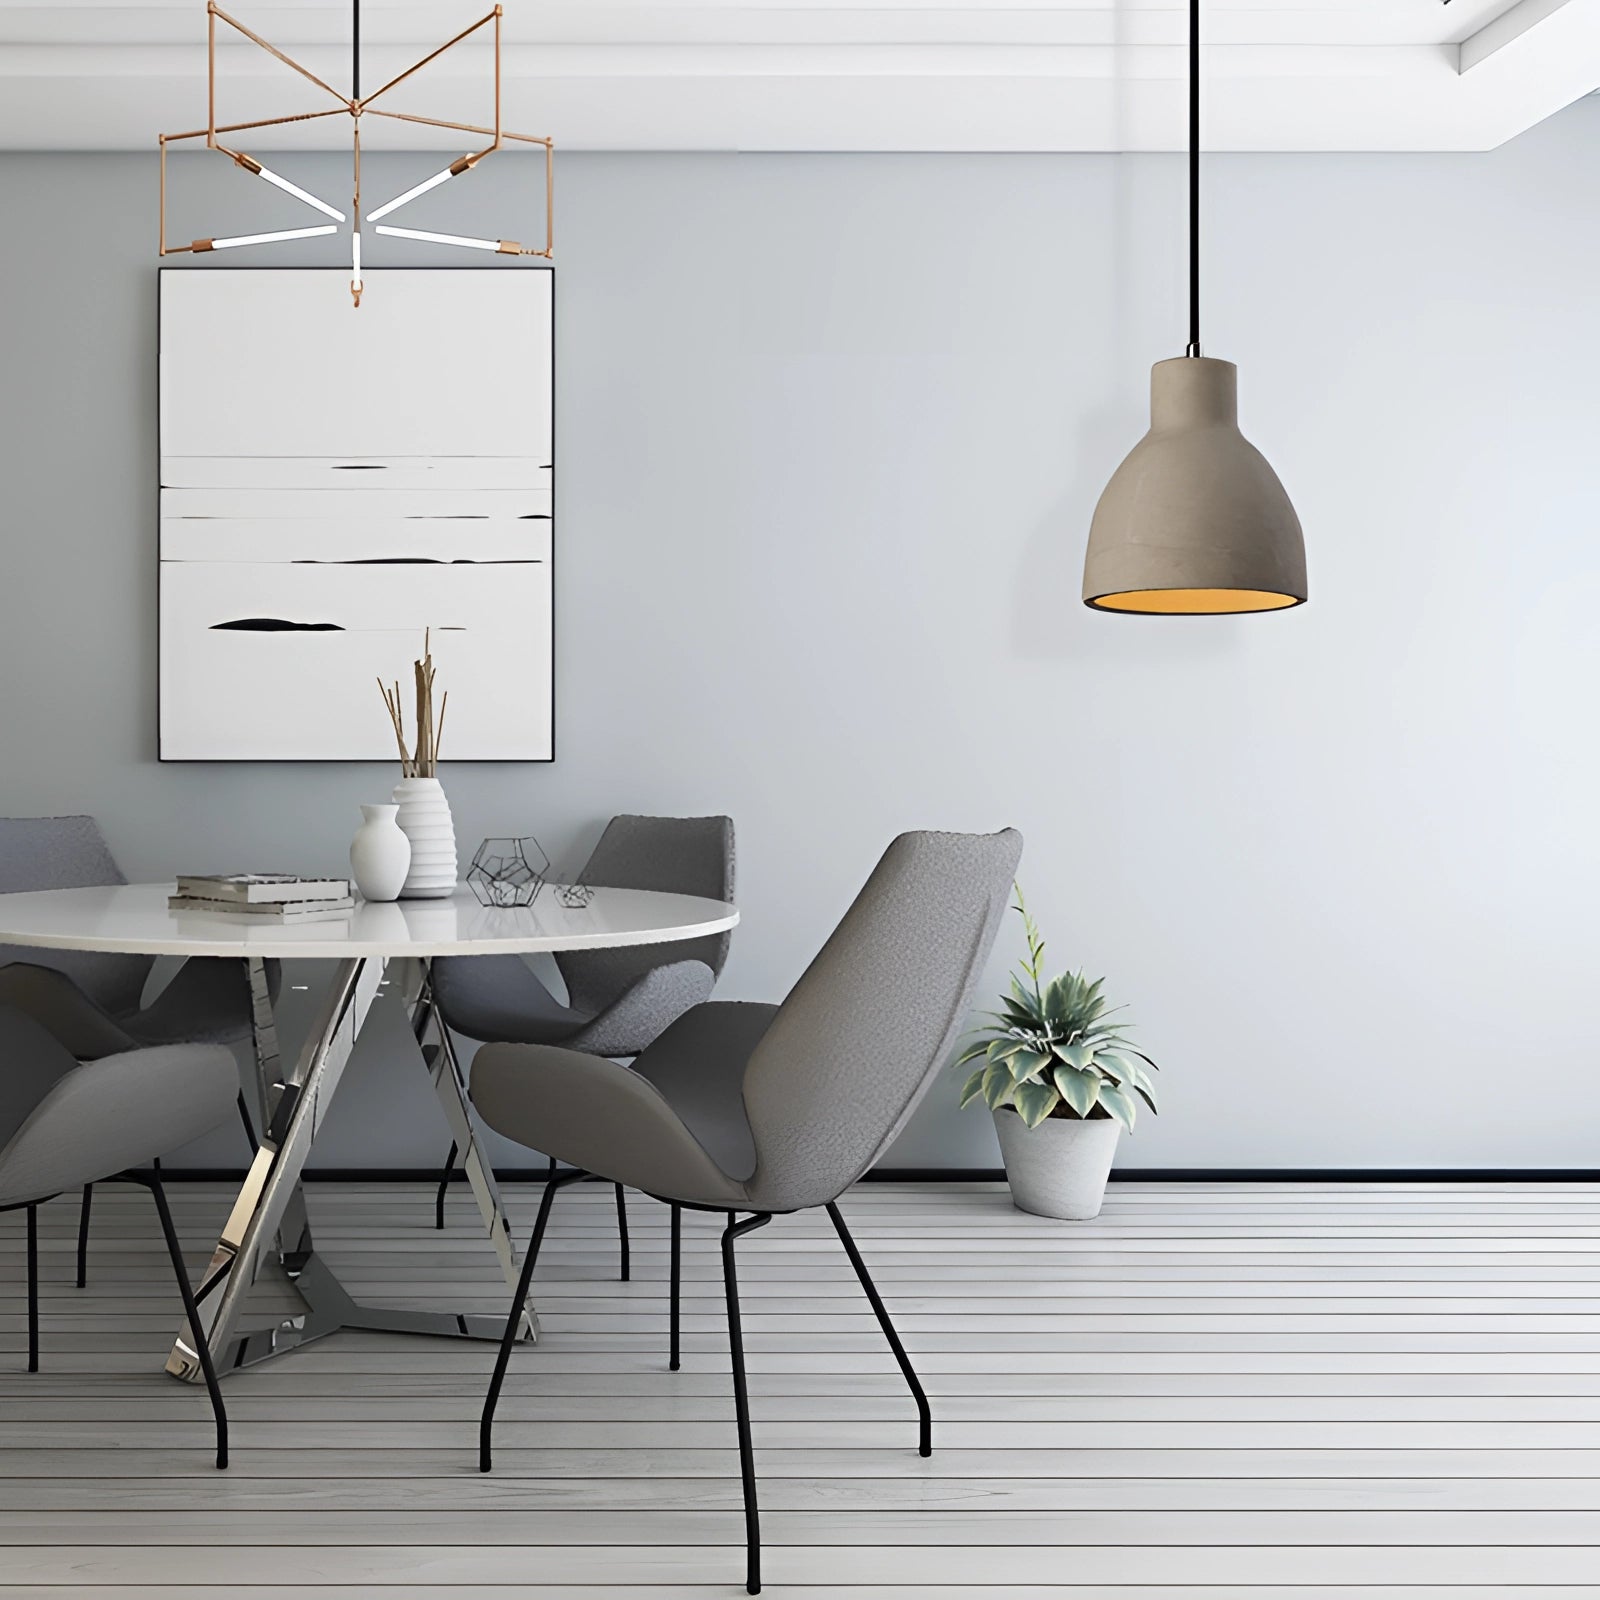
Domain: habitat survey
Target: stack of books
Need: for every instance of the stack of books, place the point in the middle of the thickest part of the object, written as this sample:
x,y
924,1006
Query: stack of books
x,y
266,897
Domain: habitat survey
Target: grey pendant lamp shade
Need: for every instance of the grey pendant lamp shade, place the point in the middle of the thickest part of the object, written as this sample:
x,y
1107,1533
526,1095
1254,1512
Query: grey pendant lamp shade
x,y
1194,521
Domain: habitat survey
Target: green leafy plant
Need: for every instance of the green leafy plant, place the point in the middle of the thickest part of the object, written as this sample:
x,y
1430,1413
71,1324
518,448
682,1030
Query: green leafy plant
x,y
1053,1050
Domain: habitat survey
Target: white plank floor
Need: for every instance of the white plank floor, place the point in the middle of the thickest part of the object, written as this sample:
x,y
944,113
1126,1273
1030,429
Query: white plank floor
x,y
1212,1390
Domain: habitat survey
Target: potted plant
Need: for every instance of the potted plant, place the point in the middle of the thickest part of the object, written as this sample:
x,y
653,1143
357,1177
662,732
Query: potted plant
x,y
1062,1081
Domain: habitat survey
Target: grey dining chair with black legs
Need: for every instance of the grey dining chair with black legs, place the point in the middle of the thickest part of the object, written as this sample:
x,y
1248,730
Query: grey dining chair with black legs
x,y
785,1106
618,1001
66,1124
93,1002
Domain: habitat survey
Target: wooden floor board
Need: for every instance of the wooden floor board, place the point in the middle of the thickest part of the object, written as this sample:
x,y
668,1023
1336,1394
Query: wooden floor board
x,y
1321,1391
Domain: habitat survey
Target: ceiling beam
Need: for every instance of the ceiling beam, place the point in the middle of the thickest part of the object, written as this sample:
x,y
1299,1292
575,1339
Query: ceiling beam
x,y
1503,31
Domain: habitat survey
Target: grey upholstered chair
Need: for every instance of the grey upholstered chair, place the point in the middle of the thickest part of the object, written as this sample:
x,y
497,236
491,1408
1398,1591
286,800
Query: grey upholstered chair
x,y
618,1001
66,1124
91,1002
767,1109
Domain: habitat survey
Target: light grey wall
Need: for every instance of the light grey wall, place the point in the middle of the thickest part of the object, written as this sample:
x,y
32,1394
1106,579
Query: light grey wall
x,y
830,433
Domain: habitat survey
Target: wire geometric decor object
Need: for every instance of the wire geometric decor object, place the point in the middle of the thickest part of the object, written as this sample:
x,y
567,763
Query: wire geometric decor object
x,y
355,105
508,872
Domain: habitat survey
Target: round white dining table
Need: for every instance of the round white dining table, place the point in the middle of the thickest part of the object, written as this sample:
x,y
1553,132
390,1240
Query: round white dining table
x,y
133,919
381,950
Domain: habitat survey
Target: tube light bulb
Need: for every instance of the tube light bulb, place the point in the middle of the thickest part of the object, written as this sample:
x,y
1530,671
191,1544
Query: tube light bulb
x,y
269,238
355,255
440,238
461,164
411,194
300,194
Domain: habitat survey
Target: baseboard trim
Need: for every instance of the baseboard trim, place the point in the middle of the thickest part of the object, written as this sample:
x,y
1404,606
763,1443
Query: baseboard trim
x,y
1357,1175
1398,1175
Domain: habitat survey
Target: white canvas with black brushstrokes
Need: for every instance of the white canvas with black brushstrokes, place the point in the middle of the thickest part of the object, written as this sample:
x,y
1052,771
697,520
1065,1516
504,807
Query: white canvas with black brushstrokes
x,y
334,481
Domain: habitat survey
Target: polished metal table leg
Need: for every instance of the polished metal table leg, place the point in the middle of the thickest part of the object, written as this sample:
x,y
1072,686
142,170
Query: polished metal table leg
x,y
263,1207
272,1206
264,1036
450,1085
294,1234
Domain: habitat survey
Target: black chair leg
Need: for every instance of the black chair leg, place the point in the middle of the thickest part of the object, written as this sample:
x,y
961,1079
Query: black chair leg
x,y
741,1398
925,1441
191,1310
622,1233
514,1320
33,1288
249,1127
677,1272
444,1186
83,1235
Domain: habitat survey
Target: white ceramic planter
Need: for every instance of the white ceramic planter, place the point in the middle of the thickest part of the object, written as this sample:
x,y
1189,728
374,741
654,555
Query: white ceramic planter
x,y
1060,1168
424,818
380,854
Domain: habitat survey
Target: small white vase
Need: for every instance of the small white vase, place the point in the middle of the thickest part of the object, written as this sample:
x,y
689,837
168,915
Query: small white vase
x,y
1060,1168
380,854
425,820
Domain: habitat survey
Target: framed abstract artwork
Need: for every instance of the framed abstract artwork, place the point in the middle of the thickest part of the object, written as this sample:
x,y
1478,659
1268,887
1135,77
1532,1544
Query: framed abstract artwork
x,y
335,481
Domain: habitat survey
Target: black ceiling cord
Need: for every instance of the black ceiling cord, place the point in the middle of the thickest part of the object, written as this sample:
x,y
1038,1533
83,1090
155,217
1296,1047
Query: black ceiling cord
x,y
355,49
1194,178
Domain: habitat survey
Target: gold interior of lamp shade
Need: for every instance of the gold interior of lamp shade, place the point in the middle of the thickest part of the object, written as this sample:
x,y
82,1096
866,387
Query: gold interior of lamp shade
x,y
1194,602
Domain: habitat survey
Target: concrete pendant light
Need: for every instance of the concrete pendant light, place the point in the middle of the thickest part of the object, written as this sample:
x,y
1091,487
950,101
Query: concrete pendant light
x,y
1194,521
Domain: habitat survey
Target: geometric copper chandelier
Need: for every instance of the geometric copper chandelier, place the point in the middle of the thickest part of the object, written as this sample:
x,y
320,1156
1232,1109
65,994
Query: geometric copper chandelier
x,y
355,106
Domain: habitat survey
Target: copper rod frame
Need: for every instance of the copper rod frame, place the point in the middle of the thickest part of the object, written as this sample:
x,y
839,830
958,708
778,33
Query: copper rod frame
x,y
461,127
500,135
215,11
353,108
433,55
260,122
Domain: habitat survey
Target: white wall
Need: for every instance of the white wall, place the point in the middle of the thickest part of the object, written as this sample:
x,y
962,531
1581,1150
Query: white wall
x,y
830,432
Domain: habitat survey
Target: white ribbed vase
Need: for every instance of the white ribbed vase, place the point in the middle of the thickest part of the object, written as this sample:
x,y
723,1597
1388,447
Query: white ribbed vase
x,y
424,818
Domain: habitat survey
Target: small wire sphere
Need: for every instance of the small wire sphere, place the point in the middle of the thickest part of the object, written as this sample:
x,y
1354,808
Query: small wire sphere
x,y
575,896
508,872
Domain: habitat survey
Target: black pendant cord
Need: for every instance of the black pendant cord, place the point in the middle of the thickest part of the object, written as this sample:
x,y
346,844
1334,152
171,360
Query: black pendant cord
x,y
1194,178
355,49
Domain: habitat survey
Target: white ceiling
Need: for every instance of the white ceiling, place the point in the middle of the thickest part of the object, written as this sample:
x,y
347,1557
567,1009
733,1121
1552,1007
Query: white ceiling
x,y
825,74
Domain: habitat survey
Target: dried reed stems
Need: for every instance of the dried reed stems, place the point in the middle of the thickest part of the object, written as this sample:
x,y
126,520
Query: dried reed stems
x,y
424,763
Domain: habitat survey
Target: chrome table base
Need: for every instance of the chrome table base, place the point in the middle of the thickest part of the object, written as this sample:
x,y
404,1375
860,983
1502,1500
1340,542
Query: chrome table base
x,y
268,1233
329,1308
